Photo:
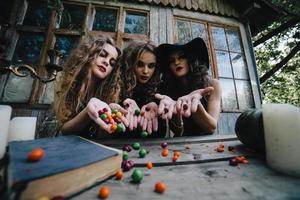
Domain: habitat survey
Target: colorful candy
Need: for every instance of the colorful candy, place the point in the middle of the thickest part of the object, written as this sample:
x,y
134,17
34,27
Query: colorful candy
x,y
165,152
136,146
160,187
35,155
137,176
164,145
104,192
137,112
143,153
144,134
119,174
125,155
127,148
149,165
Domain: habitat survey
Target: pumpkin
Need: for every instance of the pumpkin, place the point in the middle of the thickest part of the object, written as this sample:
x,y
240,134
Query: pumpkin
x,y
250,131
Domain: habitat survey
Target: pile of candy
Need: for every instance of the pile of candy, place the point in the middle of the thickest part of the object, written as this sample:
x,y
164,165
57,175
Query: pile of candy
x,y
113,119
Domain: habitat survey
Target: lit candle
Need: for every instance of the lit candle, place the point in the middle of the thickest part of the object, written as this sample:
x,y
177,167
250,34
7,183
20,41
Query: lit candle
x,y
22,128
5,113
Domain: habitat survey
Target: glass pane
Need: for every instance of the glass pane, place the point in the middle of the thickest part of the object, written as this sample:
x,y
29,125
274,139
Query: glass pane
x,y
28,48
223,64
17,89
239,66
233,40
244,94
105,20
219,38
198,30
48,96
72,17
36,14
136,23
65,44
184,32
229,101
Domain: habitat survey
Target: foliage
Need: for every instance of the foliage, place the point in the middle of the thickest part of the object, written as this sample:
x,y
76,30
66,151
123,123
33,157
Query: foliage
x,y
284,85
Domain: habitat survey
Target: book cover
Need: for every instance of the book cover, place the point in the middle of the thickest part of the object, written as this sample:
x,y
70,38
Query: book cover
x,y
70,164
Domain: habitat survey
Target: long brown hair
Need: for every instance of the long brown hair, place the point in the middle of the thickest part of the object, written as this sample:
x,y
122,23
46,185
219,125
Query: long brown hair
x,y
130,57
76,87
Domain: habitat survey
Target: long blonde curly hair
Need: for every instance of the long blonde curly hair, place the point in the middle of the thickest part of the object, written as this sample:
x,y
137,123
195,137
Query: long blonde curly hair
x,y
76,88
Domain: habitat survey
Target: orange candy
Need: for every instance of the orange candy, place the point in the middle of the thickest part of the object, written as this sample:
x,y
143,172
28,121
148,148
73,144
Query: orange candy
x,y
35,155
165,152
104,192
220,149
175,158
149,165
160,187
177,153
119,174
113,127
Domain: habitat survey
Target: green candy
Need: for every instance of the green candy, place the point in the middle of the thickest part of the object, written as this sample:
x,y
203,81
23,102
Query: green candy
x,y
137,112
120,128
137,176
114,110
136,146
143,153
103,116
125,155
144,134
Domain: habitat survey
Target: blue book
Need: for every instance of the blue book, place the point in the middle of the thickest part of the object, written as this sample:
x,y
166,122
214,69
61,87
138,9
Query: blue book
x,y
70,164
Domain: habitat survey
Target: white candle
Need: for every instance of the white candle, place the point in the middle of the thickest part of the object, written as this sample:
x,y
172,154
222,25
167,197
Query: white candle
x,y
22,128
282,137
5,113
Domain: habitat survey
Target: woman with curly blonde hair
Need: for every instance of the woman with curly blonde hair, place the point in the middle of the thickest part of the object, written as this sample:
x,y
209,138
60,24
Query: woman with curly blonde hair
x,y
90,80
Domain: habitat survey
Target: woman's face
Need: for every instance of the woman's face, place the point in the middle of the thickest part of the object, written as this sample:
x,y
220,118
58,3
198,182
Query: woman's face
x,y
145,67
178,64
105,61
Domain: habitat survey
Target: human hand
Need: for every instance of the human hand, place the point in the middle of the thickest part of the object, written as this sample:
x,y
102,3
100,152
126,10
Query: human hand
x,y
149,119
133,113
166,107
188,104
118,108
92,108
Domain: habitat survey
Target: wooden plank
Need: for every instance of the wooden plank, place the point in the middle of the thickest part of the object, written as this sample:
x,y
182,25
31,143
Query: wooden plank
x,y
222,124
162,26
154,25
169,28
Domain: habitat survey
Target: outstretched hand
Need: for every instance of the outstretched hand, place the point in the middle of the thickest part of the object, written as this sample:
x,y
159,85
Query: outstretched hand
x,y
92,108
166,107
133,111
188,104
149,119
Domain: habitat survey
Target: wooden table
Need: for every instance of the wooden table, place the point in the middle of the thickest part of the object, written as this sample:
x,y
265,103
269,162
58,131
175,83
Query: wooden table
x,y
200,173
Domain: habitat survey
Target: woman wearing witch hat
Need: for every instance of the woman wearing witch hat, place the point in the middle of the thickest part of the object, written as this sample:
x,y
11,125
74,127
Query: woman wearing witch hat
x,y
189,90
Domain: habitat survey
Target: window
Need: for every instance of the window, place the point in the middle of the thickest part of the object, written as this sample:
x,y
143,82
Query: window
x,y
227,60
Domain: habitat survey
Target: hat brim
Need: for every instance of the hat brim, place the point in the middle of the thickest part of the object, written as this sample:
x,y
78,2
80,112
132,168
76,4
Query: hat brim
x,y
196,47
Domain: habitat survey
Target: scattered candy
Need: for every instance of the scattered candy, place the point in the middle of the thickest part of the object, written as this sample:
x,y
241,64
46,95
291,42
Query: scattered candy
x,y
230,148
120,128
175,158
143,153
127,148
160,187
125,155
165,152
144,134
177,153
136,146
137,112
220,148
164,145
119,174
137,176
149,165
114,111
127,165
113,119
238,159
104,192
35,155
233,162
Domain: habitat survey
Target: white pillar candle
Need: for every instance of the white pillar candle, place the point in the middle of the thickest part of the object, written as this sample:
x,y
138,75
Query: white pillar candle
x,y
5,113
22,128
282,137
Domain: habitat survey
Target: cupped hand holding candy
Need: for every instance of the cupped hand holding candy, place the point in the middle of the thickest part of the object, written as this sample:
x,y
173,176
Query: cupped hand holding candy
x,y
118,108
188,104
149,119
133,113
92,108
166,107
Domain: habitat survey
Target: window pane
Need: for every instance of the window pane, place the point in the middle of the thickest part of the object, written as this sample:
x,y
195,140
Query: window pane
x,y
239,66
245,97
36,14
219,38
184,32
198,30
105,20
233,40
65,44
223,64
72,17
17,89
28,48
136,23
229,101
48,96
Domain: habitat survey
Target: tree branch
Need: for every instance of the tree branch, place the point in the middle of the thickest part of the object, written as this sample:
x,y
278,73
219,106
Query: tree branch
x,y
292,22
279,65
